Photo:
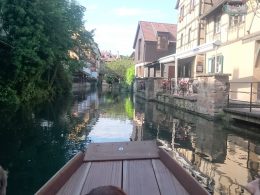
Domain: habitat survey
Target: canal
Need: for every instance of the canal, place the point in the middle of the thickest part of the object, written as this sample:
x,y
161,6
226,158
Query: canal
x,y
36,142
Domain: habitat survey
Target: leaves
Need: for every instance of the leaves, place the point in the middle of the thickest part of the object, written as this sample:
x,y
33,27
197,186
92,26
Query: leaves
x,y
121,68
130,75
36,36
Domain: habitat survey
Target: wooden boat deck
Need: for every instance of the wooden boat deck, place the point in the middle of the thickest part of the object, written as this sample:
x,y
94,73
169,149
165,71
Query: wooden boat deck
x,y
136,167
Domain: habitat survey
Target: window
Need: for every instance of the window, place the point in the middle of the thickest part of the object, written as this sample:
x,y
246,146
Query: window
x,y
236,20
211,65
184,70
189,35
181,13
192,5
219,64
215,64
257,63
181,39
217,24
162,42
139,48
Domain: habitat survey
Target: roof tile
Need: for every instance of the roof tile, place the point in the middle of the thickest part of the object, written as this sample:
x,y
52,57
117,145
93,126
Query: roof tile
x,y
150,30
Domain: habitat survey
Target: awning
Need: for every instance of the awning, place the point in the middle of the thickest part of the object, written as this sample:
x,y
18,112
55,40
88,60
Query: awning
x,y
152,64
167,59
198,50
191,52
141,64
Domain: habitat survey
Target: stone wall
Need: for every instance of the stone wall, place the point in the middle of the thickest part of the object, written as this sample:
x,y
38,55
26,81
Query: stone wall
x,y
210,100
153,86
212,94
183,102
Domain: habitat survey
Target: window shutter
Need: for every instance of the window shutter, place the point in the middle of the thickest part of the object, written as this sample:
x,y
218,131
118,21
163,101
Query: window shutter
x,y
221,59
209,65
213,65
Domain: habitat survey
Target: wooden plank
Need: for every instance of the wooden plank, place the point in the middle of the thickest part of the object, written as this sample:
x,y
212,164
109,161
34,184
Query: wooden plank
x,y
121,151
102,174
139,178
61,177
75,184
167,182
187,181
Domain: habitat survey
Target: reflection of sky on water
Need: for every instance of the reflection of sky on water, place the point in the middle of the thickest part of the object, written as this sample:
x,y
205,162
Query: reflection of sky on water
x,y
111,130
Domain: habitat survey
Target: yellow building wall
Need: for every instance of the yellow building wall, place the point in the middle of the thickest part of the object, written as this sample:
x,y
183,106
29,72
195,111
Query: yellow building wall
x,y
240,46
238,60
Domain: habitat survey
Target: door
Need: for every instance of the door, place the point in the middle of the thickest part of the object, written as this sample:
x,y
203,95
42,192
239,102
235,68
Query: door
x,y
171,72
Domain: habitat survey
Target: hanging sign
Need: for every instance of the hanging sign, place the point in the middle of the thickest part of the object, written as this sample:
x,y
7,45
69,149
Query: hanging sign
x,y
235,8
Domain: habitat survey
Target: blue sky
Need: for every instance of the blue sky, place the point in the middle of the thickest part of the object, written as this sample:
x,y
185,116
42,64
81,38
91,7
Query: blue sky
x,y
116,21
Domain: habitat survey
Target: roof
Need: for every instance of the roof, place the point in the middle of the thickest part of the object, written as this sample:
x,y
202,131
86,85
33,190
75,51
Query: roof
x,y
150,30
216,5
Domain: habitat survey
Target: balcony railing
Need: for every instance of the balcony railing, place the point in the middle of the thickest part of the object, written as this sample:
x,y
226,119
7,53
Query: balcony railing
x,y
244,95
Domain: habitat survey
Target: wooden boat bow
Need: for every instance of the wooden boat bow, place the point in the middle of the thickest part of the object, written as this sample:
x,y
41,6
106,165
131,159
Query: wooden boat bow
x,y
136,167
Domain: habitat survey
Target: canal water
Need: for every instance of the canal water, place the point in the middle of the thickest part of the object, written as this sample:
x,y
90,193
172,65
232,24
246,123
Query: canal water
x,y
36,142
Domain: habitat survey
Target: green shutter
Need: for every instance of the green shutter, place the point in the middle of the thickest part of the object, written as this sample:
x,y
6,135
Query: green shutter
x,y
221,62
209,65
213,66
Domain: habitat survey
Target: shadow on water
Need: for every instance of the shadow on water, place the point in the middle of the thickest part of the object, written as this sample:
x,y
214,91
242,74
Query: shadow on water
x,y
36,141
28,143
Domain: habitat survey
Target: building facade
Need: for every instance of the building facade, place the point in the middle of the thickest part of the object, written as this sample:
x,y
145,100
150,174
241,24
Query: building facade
x,y
190,34
236,24
220,36
152,41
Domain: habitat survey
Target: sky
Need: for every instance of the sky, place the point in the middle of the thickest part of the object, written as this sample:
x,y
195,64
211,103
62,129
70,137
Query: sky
x,y
111,130
115,21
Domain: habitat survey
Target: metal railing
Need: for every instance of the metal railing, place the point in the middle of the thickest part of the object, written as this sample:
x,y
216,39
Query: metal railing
x,y
244,95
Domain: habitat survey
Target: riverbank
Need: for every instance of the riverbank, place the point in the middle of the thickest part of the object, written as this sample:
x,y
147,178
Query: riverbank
x,y
208,98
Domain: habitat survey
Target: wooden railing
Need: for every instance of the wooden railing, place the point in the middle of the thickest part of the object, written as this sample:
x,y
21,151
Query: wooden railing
x,y
244,94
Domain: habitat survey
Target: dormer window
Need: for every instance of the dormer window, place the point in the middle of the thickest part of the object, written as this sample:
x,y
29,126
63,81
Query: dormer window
x,y
162,41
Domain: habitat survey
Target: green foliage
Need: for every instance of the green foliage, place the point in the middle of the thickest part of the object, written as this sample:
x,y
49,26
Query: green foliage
x,y
110,78
119,68
130,75
129,108
35,37
8,96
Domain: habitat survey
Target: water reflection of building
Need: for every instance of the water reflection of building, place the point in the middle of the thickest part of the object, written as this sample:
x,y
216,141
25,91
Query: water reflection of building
x,y
83,110
137,134
210,141
223,161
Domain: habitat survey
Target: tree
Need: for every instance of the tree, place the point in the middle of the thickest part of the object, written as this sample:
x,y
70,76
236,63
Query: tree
x,y
119,68
37,36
